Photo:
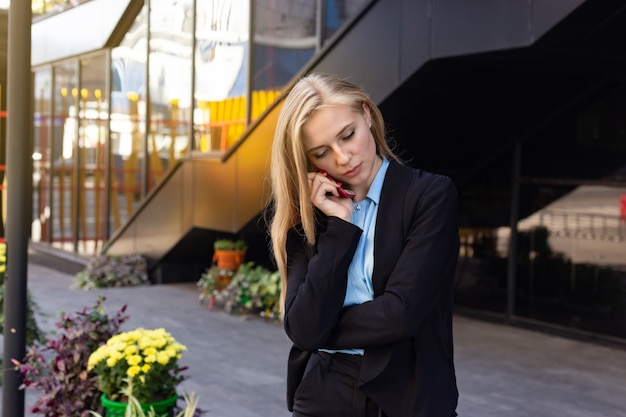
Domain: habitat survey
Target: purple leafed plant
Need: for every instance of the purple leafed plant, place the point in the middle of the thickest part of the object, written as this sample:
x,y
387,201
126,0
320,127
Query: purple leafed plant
x,y
59,369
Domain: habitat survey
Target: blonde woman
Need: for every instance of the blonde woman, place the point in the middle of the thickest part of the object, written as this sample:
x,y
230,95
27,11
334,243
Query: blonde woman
x,y
367,249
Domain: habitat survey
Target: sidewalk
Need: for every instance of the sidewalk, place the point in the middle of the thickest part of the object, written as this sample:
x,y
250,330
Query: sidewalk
x,y
237,366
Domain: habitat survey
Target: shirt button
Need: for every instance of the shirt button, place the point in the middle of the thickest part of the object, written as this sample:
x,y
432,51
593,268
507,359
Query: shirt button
x,y
358,207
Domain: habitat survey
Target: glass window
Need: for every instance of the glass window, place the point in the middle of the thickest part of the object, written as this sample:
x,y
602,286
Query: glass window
x,y
571,259
62,156
42,132
170,85
220,73
285,39
91,145
127,124
339,12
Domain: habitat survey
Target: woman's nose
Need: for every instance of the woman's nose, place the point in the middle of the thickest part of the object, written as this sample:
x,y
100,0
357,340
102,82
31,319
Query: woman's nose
x,y
342,156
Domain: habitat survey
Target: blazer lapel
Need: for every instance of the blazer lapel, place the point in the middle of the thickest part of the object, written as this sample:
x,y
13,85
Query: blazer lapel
x,y
387,245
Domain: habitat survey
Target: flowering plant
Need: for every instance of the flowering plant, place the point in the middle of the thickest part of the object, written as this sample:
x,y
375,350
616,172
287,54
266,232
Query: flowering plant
x,y
148,359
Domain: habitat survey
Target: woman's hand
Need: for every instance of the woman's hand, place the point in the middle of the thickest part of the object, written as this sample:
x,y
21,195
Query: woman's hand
x,y
324,196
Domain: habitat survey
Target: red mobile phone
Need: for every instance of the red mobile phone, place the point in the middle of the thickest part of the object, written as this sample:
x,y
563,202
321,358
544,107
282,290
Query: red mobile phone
x,y
342,192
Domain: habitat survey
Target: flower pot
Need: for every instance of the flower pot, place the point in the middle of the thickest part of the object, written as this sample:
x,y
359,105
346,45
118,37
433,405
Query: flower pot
x,y
228,259
163,408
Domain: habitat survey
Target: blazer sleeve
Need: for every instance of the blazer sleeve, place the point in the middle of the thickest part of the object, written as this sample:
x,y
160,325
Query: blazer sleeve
x,y
316,282
423,273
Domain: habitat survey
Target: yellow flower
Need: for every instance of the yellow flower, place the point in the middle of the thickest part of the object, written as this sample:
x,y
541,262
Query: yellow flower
x,y
134,360
129,350
148,358
163,358
133,370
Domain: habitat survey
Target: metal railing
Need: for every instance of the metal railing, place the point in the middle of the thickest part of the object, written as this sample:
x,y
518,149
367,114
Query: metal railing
x,y
592,226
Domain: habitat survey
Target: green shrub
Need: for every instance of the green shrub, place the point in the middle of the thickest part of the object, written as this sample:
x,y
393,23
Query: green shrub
x,y
253,289
107,271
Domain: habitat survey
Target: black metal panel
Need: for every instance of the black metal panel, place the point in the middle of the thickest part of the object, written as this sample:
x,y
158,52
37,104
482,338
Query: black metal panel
x,y
415,34
460,115
463,27
369,53
547,13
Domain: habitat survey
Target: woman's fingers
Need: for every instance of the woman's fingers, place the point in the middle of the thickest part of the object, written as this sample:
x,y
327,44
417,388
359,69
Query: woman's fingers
x,y
325,196
321,186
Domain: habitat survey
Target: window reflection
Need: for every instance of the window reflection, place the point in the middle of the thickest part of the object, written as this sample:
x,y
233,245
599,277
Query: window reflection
x,y
170,85
570,261
221,73
571,267
43,7
41,155
91,158
141,129
127,121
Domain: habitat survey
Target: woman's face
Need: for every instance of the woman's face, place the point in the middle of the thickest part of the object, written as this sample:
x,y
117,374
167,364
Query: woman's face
x,y
338,140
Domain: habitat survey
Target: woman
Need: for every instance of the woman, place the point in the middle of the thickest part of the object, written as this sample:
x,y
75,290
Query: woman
x,y
367,281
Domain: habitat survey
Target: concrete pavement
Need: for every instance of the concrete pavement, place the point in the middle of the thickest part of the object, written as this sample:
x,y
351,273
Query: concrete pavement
x,y
237,365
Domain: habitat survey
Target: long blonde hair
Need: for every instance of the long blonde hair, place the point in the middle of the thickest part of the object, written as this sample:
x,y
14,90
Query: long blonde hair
x,y
291,200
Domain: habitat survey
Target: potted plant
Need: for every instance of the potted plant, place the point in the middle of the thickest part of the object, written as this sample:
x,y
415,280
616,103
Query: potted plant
x,y
136,409
59,370
147,359
228,253
254,289
212,281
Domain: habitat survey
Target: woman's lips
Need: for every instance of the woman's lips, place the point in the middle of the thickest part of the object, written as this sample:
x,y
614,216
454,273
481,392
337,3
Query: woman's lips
x,y
353,172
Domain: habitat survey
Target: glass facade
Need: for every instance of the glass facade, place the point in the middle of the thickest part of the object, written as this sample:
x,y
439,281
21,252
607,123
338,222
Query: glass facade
x,y
564,263
110,125
128,122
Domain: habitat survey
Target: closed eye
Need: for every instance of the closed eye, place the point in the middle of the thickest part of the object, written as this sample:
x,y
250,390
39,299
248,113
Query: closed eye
x,y
349,135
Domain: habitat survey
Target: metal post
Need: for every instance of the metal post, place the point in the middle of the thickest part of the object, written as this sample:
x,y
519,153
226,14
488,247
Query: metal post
x,y
250,63
512,269
77,159
320,25
192,119
19,202
108,156
145,169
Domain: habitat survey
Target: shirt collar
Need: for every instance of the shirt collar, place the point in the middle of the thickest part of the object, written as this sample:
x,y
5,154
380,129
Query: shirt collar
x,y
377,185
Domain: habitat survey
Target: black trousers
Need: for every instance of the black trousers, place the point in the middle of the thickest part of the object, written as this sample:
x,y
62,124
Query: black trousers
x,y
329,388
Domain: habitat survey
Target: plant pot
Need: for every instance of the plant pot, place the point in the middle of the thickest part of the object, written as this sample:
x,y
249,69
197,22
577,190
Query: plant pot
x,y
228,259
163,408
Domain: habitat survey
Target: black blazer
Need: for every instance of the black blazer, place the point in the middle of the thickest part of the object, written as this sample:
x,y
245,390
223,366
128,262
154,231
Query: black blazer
x,y
406,330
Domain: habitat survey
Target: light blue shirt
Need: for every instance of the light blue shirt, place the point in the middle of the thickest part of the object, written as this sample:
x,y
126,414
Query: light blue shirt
x,y
360,288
